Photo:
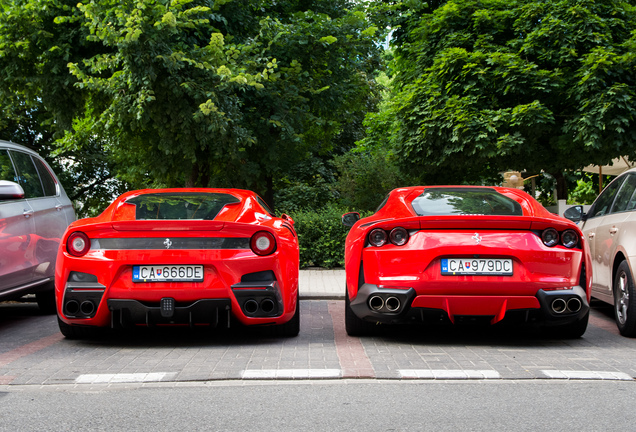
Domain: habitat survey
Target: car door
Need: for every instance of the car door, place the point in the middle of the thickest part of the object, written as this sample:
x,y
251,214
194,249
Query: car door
x,y
595,230
17,251
50,220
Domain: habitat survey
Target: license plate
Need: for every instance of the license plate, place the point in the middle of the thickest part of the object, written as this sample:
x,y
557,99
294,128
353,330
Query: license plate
x,y
168,273
477,266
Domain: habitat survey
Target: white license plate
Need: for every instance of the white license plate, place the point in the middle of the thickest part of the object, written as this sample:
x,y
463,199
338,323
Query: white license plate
x,y
477,266
168,273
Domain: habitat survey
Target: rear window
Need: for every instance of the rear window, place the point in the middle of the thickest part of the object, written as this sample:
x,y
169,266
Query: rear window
x,y
465,201
182,205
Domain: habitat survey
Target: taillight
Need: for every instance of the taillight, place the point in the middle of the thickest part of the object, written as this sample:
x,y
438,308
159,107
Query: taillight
x,y
569,238
78,244
399,236
263,243
377,237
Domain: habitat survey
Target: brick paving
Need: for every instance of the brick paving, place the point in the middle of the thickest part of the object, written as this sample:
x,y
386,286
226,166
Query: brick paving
x,y
32,351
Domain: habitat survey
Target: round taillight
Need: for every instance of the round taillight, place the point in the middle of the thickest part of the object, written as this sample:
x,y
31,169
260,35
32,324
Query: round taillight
x,y
78,244
377,237
569,238
550,237
263,243
399,236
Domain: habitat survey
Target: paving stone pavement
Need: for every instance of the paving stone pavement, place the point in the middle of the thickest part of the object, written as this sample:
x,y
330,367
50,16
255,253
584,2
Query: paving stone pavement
x,y
33,352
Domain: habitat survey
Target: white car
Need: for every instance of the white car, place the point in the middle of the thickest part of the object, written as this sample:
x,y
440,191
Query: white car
x,y
34,213
610,227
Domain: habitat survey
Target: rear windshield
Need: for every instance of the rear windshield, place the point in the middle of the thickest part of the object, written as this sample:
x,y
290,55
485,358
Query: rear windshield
x,y
182,205
465,201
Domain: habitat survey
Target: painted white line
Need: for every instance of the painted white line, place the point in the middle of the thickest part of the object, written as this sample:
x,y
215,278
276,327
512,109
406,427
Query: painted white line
x,y
448,374
122,378
290,373
587,375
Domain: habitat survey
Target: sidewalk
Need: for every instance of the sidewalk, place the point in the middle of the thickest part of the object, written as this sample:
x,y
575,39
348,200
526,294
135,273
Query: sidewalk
x,y
321,284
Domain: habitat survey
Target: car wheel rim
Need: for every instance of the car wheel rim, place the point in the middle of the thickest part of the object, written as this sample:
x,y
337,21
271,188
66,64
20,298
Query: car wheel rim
x,y
622,302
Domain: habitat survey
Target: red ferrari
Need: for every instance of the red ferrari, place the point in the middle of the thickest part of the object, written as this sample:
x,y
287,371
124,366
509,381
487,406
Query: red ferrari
x,y
179,256
465,254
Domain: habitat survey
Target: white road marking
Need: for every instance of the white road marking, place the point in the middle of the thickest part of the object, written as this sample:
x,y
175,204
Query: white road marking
x,y
123,378
290,373
587,375
448,374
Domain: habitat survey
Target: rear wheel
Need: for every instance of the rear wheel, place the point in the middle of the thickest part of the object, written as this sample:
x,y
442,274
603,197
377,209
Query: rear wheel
x,y
624,301
574,330
292,327
46,300
77,332
354,325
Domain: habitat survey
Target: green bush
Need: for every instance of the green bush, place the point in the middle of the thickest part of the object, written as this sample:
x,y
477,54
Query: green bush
x,y
321,236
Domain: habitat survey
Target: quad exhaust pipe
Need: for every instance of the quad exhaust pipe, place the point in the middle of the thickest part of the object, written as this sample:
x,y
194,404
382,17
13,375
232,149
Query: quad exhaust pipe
x,y
560,306
379,304
252,306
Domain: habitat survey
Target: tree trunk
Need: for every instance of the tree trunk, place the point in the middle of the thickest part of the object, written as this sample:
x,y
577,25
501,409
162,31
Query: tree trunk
x,y
562,187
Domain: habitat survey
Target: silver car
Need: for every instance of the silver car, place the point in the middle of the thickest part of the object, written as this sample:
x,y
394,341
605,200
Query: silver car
x,y
610,227
34,213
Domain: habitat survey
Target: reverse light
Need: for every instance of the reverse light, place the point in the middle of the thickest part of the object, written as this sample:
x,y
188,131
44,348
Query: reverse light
x,y
78,244
550,237
569,238
377,237
263,243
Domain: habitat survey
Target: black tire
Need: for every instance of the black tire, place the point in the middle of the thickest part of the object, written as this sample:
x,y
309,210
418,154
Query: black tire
x,y
77,332
574,330
46,301
625,301
354,325
291,328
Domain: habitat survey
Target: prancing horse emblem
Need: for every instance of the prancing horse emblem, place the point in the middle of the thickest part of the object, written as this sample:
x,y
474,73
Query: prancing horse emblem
x,y
476,238
167,243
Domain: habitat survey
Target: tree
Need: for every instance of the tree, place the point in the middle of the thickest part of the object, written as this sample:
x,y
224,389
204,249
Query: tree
x,y
486,86
195,92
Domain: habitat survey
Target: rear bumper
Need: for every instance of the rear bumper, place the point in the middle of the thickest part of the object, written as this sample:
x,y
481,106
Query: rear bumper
x,y
541,307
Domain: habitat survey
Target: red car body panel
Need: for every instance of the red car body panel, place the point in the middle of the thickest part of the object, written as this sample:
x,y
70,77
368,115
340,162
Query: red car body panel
x,y
416,266
223,267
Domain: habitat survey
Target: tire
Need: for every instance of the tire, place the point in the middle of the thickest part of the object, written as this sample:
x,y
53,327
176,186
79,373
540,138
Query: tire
x,y
292,327
46,301
625,301
354,325
77,332
574,330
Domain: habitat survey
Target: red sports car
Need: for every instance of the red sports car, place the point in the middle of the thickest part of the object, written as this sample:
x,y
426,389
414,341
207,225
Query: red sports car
x,y
179,256
461,253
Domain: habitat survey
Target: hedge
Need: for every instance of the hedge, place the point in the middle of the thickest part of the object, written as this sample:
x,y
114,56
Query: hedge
x,y
321,236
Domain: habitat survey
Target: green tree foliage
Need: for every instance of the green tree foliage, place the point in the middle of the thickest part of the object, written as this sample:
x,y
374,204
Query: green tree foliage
x,y
486,86
190,92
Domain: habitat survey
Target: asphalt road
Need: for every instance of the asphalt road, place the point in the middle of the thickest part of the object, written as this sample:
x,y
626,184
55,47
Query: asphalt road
x,y
417,378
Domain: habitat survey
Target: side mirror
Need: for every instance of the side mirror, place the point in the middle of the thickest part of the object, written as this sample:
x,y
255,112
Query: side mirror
x,y
575,214
287,218
10,191
349,219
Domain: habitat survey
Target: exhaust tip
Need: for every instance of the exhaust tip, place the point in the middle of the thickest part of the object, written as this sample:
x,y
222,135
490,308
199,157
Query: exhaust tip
x,y
392,304
250,306
87,307
72,307
267,305
376,303
559,306
574,304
